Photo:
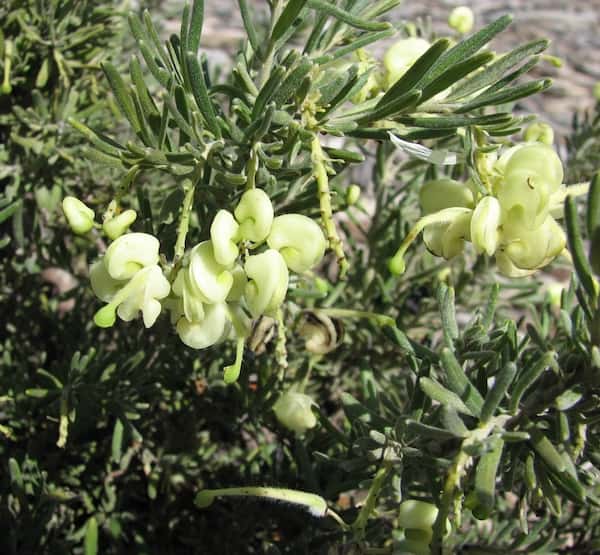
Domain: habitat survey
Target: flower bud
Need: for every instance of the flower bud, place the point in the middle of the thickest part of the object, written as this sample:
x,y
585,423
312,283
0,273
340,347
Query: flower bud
x,y
352,195
461,19
212,329
117,226
209,279
268,275
223,234
401,56
485,222
131,252
299,240
540,133
255,215
294,411
79,216
443,193
418,515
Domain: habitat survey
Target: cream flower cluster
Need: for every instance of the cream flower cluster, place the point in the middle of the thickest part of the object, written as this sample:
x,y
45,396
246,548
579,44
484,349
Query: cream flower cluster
x,y
515,221
219,287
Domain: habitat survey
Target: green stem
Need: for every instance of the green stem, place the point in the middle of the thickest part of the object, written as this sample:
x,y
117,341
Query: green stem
x,y
281,348
189,187
320,173
367,509
8,49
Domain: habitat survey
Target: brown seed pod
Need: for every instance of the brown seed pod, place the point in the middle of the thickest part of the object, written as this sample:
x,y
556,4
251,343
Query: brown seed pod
x,y
321,333
263,330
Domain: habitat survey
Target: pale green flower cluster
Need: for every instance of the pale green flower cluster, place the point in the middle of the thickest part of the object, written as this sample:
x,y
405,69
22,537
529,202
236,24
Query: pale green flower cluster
x,y
221,284
513,220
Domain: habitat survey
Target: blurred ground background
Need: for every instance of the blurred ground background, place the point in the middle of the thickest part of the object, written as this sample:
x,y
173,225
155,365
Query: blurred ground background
x,y
572,26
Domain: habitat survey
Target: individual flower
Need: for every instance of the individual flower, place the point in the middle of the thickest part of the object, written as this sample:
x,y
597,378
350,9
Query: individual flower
x,y
254,214
210,280
129,279
461,19
213,328
223,234
79,216
294,411
299,240
268,282
118,225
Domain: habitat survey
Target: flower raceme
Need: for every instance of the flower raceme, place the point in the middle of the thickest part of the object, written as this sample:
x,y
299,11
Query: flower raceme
x,y
218,287
515,220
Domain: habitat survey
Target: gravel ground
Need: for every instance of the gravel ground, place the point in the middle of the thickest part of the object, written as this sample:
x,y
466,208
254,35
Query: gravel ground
x,y
572,26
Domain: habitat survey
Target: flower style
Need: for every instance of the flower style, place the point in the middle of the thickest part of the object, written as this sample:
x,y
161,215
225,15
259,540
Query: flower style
x,y
129,279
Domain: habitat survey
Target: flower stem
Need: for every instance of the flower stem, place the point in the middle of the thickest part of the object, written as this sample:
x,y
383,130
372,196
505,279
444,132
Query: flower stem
x,y
360,523
320,173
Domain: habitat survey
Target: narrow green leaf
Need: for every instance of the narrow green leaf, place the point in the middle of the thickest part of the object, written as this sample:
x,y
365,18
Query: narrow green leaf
x,y
249,25
445,397
122,96
527,379
453,122
507,95
580,261
467,47
137,78
495,395
360,42
196,23
496,70
453,422
267,91
416,72
490,307
485,481
546,450
455,74
200,93
593,205
9,210
155,40
286,19
91,537
100,141
392,108
346,17
432,432
159,73
445,299
459,383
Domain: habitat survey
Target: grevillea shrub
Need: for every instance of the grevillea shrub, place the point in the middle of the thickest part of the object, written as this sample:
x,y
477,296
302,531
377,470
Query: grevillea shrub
x,y
336,297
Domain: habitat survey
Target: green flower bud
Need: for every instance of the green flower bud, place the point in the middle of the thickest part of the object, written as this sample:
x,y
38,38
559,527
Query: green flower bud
x,y
268,275
352,195
444,193
539,132
117,226
223,234
209,279
485,223
461,19
212,329
131,252
79,216
255,215
418,515
401,56
294,411
299,240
